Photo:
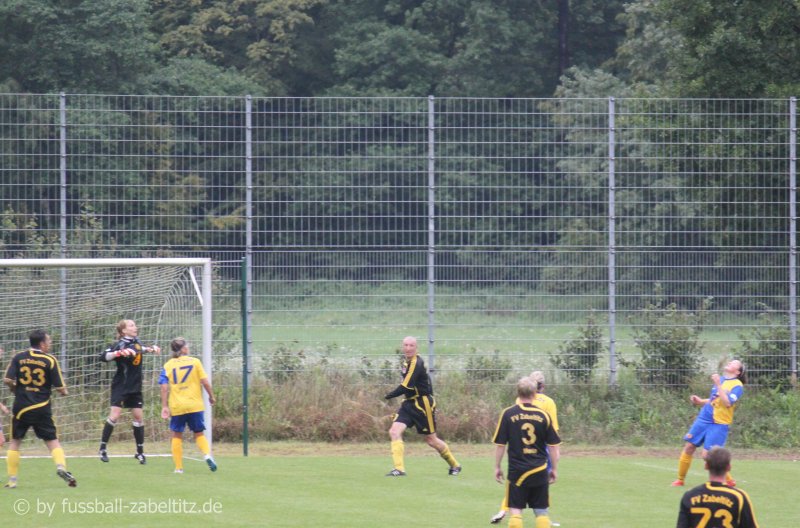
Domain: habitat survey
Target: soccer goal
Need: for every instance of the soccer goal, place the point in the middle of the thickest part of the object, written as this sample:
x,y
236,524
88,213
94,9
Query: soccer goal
x,y
79,302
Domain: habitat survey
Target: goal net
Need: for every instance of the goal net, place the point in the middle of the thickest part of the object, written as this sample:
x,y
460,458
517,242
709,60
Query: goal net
x,y
79,303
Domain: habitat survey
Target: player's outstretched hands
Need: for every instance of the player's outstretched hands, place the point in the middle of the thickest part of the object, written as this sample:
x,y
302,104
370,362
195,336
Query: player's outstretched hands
x,y
155,349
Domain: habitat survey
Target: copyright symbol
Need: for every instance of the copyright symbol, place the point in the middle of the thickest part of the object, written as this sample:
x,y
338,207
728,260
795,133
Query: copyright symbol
x,y
22,507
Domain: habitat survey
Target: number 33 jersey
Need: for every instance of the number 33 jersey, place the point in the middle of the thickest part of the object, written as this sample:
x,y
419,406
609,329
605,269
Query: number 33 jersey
x,y
36,373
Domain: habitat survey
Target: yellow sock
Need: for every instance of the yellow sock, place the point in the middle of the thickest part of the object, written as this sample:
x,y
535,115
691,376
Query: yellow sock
x,y
12,463
683,465
58,457
515,521
397,455
448,456
177,452
202,444
543,521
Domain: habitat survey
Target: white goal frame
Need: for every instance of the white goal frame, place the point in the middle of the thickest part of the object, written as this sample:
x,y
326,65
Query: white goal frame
x,y
204,295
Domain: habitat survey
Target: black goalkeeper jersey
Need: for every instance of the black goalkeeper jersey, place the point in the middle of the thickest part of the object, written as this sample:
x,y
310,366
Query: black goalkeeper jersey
x,y
128,377
36,374
716,505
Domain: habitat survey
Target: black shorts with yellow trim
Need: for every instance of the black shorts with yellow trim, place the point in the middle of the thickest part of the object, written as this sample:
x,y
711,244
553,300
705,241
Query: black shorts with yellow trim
x,y
40,419
529,489
419,412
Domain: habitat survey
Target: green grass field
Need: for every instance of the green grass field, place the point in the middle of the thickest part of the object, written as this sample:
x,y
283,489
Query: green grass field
x,y
300,485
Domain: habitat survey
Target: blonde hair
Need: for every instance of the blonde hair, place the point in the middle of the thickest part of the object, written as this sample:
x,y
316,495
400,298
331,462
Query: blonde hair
x,y
526,388
121,326
537,376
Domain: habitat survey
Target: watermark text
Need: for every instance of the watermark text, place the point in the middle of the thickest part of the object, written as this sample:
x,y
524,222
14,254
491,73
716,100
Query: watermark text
x,y
117,506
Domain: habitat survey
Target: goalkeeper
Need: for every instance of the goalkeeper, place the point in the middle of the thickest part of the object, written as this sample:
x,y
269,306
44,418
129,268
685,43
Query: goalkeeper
x,y
126,386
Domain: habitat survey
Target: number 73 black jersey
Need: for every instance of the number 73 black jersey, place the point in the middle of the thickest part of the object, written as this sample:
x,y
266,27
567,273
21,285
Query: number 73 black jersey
x,y
713,505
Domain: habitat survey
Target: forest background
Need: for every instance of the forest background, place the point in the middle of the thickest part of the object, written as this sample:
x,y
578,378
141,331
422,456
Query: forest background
x,y
475,48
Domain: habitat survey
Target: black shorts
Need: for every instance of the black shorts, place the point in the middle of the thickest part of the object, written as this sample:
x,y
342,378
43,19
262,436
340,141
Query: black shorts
x,y
40,419
419,412
132,400
533,492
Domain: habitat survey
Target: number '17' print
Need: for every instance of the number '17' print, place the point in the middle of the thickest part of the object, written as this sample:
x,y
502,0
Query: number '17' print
x,y
187,368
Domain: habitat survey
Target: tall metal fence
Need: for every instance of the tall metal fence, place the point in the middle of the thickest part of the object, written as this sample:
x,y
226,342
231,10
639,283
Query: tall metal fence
x,y
595,239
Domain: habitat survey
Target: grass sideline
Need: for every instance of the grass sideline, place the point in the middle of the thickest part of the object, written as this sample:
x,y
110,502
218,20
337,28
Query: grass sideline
x,y
287,484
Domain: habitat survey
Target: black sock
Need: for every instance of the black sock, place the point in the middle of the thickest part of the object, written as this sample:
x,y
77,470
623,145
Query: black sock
x,y
107,430
138,435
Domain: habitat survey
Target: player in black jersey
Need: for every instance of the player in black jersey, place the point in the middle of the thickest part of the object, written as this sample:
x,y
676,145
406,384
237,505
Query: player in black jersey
x,y
32,375
529,434
3,410
126,387
716,504
418,409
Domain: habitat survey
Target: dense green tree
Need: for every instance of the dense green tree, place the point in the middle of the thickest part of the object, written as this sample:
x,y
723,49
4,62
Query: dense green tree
x,y
747,48
78,46
705,48
273,42
482,48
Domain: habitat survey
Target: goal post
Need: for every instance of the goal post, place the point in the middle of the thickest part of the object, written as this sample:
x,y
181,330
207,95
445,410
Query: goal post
x,y
79,301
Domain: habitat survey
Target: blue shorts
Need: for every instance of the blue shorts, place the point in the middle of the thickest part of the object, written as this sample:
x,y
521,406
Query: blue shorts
x,y
193,420
707,433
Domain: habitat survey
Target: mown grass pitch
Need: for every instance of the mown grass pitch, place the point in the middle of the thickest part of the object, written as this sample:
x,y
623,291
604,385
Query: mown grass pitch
x,y
300,485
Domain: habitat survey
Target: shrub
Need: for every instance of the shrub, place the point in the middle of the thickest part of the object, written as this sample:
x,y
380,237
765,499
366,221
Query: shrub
x,y
669,341
334,406
766,352
284,363
483,368
578,357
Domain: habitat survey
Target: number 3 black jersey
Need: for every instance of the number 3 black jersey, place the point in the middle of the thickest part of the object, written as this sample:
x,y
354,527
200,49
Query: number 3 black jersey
x,y
36,373
528,431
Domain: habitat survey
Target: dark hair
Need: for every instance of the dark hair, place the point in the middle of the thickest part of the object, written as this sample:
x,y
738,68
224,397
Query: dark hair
x,y
742,376
177,345
37,337
718,460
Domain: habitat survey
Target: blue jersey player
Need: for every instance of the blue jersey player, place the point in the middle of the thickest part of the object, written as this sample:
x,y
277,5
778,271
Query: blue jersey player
x,y
710,428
